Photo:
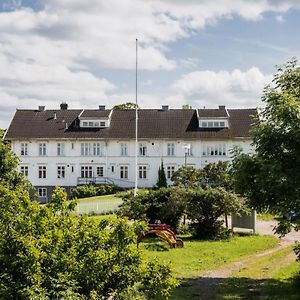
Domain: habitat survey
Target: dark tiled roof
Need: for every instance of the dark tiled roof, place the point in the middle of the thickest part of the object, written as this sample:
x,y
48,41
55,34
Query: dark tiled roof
x,y
92,113
212,113
153,123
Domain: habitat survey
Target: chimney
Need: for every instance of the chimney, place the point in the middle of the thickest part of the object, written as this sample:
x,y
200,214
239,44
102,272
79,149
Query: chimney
x,y
101,107
41,108
63,105
66,125
165,107
55,116
221,107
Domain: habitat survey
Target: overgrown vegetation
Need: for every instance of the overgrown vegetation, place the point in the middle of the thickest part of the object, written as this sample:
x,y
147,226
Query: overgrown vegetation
x,y
84,191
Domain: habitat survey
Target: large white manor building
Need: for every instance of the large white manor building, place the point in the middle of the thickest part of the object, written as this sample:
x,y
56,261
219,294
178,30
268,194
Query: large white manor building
x,y
67,147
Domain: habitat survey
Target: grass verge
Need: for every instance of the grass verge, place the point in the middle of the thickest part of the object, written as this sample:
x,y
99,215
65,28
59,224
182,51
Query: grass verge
x,y
99,198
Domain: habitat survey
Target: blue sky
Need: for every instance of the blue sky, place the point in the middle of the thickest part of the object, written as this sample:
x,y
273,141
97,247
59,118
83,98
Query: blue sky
x,y
204,53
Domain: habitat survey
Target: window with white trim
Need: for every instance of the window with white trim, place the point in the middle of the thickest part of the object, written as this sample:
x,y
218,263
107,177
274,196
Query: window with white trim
x,y
42,192
170,171
100,171
24,170
60,149
42,172
97,149
142,172
214,150
124,172
213,124
124,149
42,149
142,150
171,149
85,149
24,149
86,172
61,172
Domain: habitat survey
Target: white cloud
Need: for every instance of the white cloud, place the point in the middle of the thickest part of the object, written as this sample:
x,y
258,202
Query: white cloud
x,y
234,89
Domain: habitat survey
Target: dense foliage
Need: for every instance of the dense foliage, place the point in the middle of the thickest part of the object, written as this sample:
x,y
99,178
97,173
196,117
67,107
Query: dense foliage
x,y
126,106
162,180
83,191
164,205
186,176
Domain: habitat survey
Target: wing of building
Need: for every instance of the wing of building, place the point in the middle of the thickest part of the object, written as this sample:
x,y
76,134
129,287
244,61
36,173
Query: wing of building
x,y
67,147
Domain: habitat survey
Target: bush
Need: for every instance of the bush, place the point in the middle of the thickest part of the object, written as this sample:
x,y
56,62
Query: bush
x,y
206,206
84,191
166,205
47,252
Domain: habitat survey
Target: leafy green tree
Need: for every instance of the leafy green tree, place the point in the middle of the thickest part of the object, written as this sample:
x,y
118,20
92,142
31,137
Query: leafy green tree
x,y
186,106
270,178
162,180
186,176
47,252
164,205
126,106
205,207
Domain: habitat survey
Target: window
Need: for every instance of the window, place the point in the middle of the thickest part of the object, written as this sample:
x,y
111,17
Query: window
x,y
42,172
60,149
171,149
24,149
213,124
72,146
86,172
124,172
124,150
204,124
85,149
72,169
210,124
24,170
97,149
170,171
85,124
142,172
113,169
42,149
102,124
61,172
100,171
42,192
222,124
214,150
143,150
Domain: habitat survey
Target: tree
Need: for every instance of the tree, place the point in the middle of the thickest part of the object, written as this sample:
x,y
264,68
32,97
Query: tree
x,y
204,208
186,176
186,106
47,252
126,106
270,178
162,180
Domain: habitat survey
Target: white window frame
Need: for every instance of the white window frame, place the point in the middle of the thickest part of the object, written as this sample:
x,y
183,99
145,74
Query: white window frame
x,y
24,170
61,172
42,149
86,171
143,172
42,172
124,149
24,149
123,172
42,192
60,149
85,149
142,149
100,171
170,149
170,171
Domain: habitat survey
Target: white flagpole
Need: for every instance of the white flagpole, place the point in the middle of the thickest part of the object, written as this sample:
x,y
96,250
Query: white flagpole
x,y
136,119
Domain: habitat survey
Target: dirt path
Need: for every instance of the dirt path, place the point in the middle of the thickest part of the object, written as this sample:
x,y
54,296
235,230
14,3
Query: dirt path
x,y
206,287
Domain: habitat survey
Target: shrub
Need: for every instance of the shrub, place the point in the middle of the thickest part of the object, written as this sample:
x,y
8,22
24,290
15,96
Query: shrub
x,y
206,206
47,252
166,205
84,191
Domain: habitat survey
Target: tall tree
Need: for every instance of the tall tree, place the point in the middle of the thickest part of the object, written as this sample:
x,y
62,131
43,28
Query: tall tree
x,y
270,178
162,180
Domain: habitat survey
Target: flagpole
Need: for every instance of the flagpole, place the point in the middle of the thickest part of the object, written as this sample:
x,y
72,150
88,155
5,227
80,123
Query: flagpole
x,y
136,118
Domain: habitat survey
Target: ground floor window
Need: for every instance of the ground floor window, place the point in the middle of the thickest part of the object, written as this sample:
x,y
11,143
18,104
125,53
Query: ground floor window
x,y
100,171
170,171
142,172
24,170
86,172
124,172
42,192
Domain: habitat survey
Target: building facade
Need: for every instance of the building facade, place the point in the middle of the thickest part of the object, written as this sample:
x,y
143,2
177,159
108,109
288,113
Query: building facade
x,y
68,147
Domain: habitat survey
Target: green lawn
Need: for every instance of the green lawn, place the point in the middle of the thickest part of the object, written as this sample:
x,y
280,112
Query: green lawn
x,y
199,256
269,277
98,205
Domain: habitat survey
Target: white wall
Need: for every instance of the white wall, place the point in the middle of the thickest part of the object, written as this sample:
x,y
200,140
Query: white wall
x,y
156,152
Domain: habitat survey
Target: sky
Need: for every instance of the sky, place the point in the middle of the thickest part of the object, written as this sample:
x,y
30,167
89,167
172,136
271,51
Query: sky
x,y
198,52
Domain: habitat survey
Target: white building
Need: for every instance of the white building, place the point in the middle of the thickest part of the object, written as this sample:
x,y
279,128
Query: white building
x,y
67,147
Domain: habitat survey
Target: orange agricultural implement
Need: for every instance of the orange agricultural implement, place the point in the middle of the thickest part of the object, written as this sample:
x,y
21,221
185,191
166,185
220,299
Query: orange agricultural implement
x,y
164,232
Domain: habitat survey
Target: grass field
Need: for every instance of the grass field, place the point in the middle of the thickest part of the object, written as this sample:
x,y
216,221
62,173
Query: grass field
x,y
98,205
269,277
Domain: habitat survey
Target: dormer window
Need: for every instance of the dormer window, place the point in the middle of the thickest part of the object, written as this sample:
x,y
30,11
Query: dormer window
x,y
213,123
93,124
